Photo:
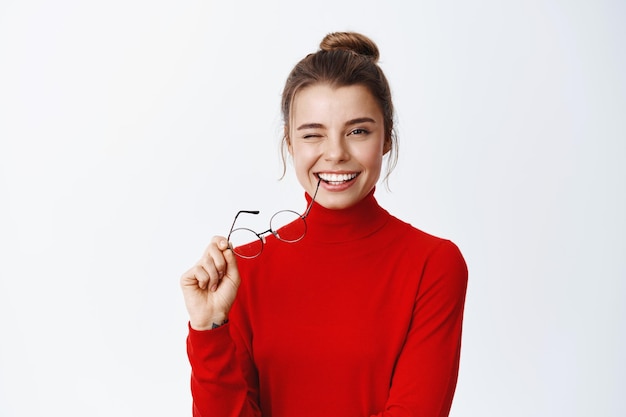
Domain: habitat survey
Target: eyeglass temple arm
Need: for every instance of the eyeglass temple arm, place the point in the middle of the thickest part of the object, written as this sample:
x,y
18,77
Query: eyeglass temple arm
x,y
306,213
235,220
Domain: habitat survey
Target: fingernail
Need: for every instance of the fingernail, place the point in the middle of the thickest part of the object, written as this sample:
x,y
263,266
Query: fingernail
x,y
214,288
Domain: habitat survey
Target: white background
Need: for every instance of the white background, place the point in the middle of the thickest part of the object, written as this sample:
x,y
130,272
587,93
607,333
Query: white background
x,y
132,131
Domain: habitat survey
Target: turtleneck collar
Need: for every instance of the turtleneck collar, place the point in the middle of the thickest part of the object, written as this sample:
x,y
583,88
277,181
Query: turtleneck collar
x,y
344,225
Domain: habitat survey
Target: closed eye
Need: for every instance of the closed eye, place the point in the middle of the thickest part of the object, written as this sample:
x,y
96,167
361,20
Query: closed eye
x,y
311,136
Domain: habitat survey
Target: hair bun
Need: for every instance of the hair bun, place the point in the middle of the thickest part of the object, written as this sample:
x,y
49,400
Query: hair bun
x,y
350,41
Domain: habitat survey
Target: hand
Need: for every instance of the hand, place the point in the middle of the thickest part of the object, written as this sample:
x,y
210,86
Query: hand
x,y
210,286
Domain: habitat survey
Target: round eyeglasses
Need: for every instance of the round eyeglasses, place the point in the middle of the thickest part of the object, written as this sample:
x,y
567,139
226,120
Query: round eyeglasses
x,y
286,225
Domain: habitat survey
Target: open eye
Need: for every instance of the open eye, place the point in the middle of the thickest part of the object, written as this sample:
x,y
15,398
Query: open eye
x,y
358,131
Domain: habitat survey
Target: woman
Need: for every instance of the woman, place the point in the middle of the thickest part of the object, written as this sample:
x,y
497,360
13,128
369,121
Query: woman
x,y
359,317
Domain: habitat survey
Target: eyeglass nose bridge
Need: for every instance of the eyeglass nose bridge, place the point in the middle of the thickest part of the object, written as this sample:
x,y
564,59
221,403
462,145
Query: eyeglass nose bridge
x,y
263,234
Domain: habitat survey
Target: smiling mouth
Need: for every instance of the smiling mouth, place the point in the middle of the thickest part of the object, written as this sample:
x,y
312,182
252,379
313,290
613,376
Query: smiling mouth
x,y
336,179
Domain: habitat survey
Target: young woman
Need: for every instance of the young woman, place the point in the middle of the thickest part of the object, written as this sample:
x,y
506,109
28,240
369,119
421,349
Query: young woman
x,y
353,314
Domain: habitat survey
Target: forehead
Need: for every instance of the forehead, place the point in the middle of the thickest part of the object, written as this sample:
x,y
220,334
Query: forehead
x,y
322,101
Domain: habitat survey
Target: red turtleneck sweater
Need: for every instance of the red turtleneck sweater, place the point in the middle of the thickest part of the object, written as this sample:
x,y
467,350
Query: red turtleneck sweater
x,y
360,318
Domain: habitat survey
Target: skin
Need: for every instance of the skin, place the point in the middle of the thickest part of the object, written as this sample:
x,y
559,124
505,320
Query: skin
x,y
335,133
210,286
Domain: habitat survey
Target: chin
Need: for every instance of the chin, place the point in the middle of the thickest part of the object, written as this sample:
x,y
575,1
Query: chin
x,y
337,203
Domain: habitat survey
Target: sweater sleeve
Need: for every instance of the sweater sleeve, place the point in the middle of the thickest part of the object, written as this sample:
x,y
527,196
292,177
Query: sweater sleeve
x,y
222,375
426,371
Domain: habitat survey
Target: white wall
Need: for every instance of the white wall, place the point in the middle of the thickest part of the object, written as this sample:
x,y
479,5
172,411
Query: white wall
x,y
131,131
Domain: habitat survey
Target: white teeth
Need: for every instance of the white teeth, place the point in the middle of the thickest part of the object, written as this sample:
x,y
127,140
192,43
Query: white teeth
x,y
336,177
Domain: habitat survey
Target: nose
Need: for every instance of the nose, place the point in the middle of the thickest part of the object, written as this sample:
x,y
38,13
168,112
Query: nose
x,y
336,149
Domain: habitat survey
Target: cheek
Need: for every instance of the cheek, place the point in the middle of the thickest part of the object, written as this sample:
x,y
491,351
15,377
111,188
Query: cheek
x,y
301,159
372,158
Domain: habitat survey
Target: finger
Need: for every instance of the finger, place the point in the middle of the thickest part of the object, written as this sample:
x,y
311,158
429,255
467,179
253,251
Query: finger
x,y
208,264
195,277
215,251
216,242
220,242
232,271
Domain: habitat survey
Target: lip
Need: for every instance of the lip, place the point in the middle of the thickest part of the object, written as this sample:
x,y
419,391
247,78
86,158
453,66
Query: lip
x,y
339,186
340,173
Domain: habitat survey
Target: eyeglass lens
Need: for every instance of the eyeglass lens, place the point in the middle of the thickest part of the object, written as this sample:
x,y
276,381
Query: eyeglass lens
x,y
286,225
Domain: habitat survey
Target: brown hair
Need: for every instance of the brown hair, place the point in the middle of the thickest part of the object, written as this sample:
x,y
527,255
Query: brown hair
x,y
344,59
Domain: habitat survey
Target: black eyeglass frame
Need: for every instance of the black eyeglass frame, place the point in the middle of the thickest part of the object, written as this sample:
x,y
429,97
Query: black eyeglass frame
x,y
261,236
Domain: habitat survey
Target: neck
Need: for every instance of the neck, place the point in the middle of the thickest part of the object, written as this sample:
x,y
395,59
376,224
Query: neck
x,y
354,222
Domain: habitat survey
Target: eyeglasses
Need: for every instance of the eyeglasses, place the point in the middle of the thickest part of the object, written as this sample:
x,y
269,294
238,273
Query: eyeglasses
x,y
287,225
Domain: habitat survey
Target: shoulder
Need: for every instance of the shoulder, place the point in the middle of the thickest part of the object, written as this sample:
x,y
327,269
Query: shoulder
x,y
437,252
408,234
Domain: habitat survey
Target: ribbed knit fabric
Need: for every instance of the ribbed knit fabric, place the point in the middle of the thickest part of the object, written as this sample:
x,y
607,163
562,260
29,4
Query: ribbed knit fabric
x,y
360,318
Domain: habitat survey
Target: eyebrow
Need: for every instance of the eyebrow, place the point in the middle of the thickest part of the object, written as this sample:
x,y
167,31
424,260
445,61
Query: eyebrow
x,y
348,123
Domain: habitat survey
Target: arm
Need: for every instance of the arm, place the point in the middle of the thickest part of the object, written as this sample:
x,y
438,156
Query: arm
x,y
426,372
220,371
222,381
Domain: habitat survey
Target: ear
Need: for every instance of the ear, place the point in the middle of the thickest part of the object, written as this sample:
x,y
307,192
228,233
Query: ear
x,y
387,145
